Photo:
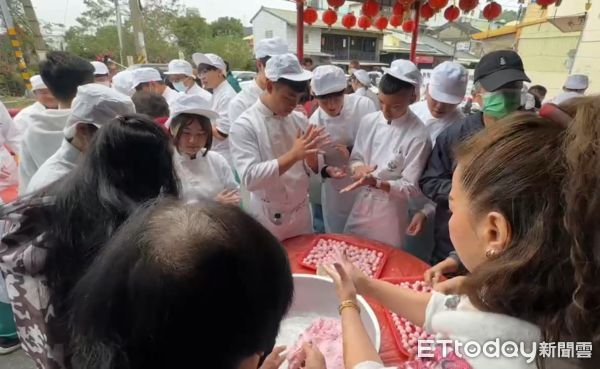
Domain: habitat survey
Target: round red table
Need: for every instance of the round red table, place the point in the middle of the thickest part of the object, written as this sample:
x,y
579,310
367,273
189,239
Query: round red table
x,y
399,265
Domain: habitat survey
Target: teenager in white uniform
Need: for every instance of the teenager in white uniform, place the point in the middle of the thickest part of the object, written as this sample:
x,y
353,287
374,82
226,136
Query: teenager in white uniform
x,y
63,73
264,50
361,84
149,80
204,173
446,90
44,100
181,75
269,145
340,115
94,105
390,152
122,82
213,73
101,73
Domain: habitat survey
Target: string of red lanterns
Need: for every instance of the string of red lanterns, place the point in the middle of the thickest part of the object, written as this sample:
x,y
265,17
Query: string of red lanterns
x,y
371,9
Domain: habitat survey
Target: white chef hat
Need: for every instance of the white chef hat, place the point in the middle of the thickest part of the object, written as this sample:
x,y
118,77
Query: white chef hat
x,y
327,79
362,76
96,104
212,60
145,74
100,68
37,83
191,104
179,66
286,66
270,47
123,81
448,83
577,82
406,71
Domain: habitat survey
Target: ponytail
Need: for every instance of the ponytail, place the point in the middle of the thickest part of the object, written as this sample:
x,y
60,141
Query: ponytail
x,y
581,194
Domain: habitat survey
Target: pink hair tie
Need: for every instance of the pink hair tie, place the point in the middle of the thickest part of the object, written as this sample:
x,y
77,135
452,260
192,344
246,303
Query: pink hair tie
x,y
554,113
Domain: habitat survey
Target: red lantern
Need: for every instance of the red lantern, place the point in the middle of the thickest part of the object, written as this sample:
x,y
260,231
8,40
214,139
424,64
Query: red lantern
x,y
396,20
438,4
364,22
335,3
408,26
310,15
468,5
370,8
329,17
381,23
452,13
398,8
545,3
427,11
349,20
492,11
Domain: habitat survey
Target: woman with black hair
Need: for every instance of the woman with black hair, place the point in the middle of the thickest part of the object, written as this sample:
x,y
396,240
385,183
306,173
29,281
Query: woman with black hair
x,y
213,299
205,174
56,232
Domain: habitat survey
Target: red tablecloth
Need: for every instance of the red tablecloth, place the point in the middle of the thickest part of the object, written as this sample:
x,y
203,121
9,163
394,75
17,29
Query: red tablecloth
x,y
399,264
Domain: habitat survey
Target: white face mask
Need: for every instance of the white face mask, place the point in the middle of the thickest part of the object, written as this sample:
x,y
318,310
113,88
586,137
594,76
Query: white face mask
x,y
179,86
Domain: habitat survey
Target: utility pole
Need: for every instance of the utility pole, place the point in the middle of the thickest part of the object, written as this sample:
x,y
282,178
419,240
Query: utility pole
x,y
138,31
119,30
38,40
15,42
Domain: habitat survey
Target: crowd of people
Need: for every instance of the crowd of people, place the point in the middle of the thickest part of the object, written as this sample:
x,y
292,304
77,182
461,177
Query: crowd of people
x,y
153,206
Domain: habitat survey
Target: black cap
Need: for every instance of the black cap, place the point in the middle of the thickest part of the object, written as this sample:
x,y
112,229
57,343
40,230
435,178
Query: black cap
x,y
499,68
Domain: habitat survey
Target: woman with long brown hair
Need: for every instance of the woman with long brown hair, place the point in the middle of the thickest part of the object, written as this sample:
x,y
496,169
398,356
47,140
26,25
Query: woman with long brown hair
x,y
526,202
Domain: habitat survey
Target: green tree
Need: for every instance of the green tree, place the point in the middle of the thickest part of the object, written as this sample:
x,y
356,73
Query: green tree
x,y
233,49
191,31
227,26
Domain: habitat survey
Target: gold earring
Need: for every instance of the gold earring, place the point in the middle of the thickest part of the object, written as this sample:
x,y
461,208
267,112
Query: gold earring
x,y
491,254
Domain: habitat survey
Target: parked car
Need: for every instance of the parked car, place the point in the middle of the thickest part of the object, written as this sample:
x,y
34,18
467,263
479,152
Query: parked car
x,y
243,76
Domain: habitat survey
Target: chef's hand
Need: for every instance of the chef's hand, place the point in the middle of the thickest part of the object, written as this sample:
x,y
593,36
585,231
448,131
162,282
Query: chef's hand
x,y
366,180
314,357
310,142
344,286
229,197
433,274
274,359
417,224
451,286
359,279
343,150
335,172
363,170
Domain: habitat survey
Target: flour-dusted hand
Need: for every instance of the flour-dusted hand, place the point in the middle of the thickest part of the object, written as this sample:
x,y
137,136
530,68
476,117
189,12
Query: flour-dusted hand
x,y
274,359
229,197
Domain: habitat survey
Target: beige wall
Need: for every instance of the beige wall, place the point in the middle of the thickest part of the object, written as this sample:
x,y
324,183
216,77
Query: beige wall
x,y
587,60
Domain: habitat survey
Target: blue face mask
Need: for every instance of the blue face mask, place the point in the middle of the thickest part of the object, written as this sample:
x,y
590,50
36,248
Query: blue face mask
x,y
179,86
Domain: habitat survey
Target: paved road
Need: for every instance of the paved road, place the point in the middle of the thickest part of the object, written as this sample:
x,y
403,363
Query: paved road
x,y
16,360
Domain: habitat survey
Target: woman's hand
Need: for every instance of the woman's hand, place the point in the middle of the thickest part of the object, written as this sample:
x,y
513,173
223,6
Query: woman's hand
x,y
433,274
344,286
229,197
275,358
314,357
451,286
417,224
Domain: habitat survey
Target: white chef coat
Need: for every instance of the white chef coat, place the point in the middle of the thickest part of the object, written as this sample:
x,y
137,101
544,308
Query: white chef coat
x,y
61,163
400,150
342,130
197,90
41,140
370,94
244,100
435,126
10,135
221,98
22,119
278,202
204,177
170,95
564,96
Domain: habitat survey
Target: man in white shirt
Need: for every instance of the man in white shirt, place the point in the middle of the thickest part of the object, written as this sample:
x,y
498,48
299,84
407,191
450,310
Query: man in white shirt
x,y
340,115
94,105
575,86
269,145
446,90
149,80
45,100
213,73
181,75
389,155
62,72
264,50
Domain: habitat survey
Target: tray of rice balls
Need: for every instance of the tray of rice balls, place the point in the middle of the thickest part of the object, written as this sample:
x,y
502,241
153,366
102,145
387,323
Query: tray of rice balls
x,y
406,334
365,256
